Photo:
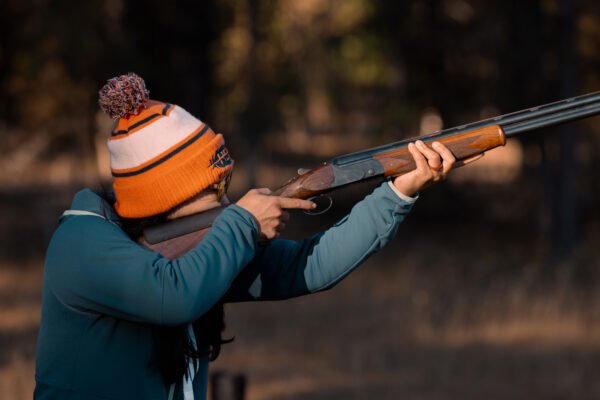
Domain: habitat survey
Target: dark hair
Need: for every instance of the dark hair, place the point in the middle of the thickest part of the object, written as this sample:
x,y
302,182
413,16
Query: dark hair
x,y
173,345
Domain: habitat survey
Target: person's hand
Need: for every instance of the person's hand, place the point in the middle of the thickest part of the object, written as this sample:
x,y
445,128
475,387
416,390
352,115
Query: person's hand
x,y
432,165
269,211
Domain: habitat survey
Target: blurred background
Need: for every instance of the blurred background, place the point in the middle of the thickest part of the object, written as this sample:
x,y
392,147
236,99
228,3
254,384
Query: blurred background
x,y
490,289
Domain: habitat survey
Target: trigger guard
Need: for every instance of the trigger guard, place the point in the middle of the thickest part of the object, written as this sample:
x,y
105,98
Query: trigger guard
x,y
321,208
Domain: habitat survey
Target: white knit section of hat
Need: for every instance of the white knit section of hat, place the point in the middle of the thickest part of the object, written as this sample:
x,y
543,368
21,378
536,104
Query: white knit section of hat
x,y
152,140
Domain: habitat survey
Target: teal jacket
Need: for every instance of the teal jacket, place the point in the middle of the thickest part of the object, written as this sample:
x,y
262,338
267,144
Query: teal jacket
x,y
103,293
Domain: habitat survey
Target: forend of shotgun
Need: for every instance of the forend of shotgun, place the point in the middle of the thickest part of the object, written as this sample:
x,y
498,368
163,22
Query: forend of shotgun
x,y
388,160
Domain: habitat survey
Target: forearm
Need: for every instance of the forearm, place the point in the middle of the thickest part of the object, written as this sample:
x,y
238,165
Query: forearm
x,y
369,227
286,269
196,281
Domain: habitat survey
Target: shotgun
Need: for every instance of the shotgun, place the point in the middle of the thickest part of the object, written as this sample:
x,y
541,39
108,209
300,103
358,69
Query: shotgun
x,y
463,141
394,159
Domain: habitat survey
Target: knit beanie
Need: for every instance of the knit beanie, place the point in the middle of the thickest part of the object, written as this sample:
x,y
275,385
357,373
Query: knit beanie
x,y
160,155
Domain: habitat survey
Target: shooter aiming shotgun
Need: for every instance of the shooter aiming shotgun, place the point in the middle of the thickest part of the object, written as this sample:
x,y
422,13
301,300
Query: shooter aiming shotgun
x,y
392,160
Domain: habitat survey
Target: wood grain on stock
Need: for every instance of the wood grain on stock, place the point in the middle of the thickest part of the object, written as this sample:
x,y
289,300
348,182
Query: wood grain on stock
x,y
315,181
176,247
463,145
398,161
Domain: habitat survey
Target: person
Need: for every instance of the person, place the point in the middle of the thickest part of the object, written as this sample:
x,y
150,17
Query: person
x,y
120,321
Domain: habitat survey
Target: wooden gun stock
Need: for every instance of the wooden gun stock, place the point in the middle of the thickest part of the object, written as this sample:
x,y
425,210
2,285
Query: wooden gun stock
x,y
174,238
463,146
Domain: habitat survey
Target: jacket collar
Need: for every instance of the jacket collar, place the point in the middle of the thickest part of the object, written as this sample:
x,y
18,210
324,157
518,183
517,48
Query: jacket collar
x,y
89,201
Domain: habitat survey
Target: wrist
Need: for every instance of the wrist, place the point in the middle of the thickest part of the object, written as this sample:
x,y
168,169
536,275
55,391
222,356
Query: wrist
x,y
402,195
404,187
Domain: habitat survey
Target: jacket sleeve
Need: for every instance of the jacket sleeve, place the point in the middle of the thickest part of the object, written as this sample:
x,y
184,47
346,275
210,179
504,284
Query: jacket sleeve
x,y
285,268
93,266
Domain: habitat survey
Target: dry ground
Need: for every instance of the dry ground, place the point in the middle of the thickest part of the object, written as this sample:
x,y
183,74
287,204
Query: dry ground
x,y
402,328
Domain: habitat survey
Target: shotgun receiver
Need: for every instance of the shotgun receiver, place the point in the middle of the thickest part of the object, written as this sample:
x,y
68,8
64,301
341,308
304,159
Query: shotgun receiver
x,y
463,141
394,159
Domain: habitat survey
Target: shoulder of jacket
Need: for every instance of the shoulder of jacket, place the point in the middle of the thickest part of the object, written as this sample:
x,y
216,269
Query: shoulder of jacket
x,y
68,213
85,224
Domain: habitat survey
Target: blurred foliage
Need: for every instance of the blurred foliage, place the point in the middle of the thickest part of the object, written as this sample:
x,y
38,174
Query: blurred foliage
x,y
337,67
309,78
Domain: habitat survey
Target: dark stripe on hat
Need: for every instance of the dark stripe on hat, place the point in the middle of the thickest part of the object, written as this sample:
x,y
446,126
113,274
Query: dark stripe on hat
x,y
166,109
147,119
165,158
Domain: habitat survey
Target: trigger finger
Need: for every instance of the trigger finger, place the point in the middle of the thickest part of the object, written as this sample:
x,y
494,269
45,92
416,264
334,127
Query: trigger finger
x,y
286,202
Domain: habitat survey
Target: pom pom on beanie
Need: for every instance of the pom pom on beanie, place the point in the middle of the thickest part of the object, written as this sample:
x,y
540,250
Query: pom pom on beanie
x,y
123,95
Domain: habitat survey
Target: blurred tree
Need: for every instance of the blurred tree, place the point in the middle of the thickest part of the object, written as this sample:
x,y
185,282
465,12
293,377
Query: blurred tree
x,y
6,55
567,227
250,117
307,78
170,47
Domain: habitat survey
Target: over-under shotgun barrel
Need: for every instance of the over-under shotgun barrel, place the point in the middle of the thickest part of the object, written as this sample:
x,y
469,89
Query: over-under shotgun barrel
x,y
546,121
464,141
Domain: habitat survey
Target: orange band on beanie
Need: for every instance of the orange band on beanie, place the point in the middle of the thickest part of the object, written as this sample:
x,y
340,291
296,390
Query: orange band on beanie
x,y
175,180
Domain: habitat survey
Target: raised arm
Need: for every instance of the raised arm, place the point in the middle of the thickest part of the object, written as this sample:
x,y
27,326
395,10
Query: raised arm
x,y
285,268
